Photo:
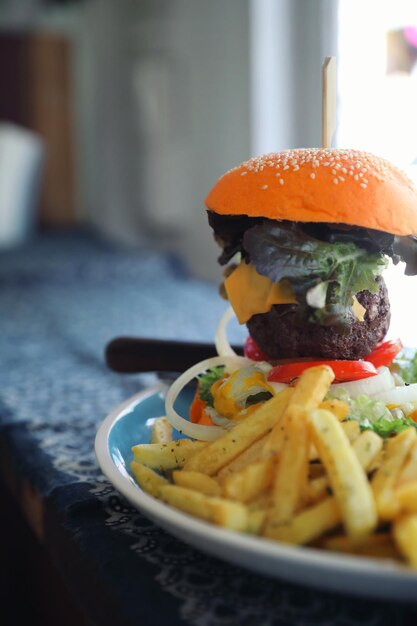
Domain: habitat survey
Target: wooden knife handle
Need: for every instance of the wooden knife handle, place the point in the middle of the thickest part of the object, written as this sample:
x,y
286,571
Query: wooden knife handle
x,y
136,354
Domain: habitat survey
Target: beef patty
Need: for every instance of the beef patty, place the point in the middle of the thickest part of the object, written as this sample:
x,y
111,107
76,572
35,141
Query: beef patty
x,y
280,334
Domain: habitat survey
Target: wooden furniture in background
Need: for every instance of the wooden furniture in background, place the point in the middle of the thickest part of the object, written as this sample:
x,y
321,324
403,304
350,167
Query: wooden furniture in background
x,y
36,88
50,115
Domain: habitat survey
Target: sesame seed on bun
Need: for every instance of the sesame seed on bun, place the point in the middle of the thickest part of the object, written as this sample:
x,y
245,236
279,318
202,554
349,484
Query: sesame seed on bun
x,y
320,185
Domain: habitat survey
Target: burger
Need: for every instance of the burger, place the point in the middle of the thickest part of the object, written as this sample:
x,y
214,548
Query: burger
x,y
305,236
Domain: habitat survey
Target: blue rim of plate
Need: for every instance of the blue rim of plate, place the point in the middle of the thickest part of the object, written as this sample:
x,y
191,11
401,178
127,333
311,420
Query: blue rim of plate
x,y
304,565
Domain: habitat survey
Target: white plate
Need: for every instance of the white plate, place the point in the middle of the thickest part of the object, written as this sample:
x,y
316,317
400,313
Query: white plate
x,y
129,424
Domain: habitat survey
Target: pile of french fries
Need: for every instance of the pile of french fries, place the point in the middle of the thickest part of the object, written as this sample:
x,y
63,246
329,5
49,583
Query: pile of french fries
x,y
295,471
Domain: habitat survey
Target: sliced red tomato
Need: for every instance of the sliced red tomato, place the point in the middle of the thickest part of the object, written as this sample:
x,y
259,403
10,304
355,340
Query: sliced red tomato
x,y
343,370
252,351
385,353
197,407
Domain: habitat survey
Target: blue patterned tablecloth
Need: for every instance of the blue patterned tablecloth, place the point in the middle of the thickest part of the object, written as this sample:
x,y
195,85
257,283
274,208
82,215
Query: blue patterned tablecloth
x,y
62,298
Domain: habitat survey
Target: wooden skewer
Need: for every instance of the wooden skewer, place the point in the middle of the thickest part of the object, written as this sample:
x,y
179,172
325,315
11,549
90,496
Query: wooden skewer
x,y
328,101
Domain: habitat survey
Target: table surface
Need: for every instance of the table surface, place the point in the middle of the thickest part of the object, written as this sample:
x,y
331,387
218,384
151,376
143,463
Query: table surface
x,y
62,298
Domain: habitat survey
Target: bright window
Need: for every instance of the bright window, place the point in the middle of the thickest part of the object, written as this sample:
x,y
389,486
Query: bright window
x,y
378,78
377,109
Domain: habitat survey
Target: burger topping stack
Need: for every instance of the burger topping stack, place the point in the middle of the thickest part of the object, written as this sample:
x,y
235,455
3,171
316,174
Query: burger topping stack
x,y
305,257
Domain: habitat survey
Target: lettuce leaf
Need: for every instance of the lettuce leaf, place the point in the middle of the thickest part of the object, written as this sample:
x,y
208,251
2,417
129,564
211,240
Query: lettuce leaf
x,y
229,231
206,380
398,248
387,427
284,251
406,367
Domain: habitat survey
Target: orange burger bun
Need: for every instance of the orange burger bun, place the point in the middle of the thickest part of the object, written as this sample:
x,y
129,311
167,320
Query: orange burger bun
x,y
337,186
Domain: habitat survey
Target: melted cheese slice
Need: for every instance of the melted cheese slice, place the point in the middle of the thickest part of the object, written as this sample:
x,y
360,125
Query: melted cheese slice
x,y
250,293
358,309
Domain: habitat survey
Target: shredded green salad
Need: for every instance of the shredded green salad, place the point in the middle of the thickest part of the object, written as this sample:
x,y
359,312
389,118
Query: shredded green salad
x,y
373,414
206,380
370,413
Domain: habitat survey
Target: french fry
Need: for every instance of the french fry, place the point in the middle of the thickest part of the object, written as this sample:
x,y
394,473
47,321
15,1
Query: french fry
x,y
376,546
366,447
315,490
164,456
261,502
232,515
377,461
249,482
256,520
409,471
291,473
352,430
313,455
310,524
406,495
149,480
161,431
338,407
223,450
385,478
347,478
250,455
187,500
309,391
405,535
197,481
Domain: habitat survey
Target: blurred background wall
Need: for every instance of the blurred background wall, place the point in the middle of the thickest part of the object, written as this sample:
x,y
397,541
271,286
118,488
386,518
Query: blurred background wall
x,y
142,105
